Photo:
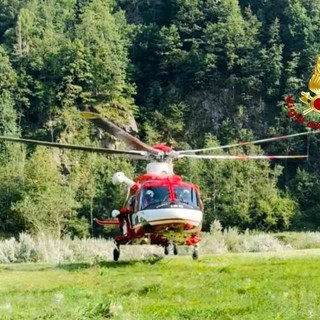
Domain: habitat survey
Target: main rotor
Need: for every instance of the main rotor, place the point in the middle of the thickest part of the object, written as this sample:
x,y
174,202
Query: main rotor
x,y
159,153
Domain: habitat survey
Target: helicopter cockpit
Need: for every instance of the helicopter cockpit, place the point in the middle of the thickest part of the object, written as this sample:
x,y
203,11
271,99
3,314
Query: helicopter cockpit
x,y
152,196
186,195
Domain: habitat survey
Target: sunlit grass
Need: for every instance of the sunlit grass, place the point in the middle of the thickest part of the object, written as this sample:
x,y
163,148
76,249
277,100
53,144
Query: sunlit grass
x,y
282,285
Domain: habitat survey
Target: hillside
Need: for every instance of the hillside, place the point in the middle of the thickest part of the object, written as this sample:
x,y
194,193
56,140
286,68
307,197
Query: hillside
x,y
191,73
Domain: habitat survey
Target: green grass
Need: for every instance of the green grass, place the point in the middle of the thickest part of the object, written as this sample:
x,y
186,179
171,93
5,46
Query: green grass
x,y
283,285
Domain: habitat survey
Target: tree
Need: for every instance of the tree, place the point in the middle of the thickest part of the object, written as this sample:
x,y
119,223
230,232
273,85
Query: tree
x,y
305,188
47,201
105,40
8,14
196,69
242,193
272,61
8,85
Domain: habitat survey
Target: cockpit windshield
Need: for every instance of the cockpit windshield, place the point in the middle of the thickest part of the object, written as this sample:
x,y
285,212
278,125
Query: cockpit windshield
x,y
154,195
187,195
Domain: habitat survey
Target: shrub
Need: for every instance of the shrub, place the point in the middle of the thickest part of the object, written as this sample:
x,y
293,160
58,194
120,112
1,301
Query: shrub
x,y
211,244
48,250
7,250
300,240
26,250
262,242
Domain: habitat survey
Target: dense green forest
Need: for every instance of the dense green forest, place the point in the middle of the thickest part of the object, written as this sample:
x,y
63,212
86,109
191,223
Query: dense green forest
x,y
191,73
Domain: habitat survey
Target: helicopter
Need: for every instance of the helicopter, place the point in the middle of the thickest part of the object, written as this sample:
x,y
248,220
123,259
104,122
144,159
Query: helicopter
x,y
161,209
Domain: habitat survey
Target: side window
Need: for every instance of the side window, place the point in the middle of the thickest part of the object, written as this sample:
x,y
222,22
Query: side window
x,y
195,198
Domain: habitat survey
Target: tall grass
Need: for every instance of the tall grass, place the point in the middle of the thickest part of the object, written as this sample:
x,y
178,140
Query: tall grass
x,y
48,250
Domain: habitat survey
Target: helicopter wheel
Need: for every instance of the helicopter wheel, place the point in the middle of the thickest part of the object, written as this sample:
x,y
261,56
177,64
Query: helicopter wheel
x,y
195,254
166,250
116,254
175,249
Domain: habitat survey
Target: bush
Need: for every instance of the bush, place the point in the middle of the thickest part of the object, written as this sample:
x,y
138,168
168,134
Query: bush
x,y
300,240
49,250
261,243
26,249
7,251
211,244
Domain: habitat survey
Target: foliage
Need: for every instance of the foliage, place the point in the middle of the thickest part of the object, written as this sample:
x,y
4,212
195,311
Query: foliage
x,y
203,72
241,193
48,249
46,201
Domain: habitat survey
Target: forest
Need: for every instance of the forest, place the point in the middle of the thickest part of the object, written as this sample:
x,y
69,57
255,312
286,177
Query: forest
x,y
189,73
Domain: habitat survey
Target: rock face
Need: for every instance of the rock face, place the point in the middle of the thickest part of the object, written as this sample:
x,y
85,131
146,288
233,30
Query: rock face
x,y
118,114
131,127
209,109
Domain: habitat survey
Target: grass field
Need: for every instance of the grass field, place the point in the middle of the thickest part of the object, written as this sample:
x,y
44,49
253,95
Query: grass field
x,y
282,285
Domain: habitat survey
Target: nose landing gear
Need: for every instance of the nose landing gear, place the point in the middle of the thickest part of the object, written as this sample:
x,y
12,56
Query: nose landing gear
x,y
169,246
167,249
175,249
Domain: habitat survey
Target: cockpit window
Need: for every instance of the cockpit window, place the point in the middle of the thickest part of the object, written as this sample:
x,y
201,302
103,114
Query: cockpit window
x,y
187,195
154,195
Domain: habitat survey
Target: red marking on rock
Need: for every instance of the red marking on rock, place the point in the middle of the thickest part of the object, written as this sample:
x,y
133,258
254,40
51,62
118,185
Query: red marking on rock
x,y
317,104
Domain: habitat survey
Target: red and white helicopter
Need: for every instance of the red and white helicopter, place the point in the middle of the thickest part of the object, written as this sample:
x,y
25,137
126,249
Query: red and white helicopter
x,y
161,208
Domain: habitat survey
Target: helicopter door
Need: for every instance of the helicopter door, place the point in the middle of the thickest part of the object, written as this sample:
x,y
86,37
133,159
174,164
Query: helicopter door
x,y
134,217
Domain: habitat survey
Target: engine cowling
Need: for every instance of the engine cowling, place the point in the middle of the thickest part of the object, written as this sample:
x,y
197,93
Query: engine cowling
x,y
115,213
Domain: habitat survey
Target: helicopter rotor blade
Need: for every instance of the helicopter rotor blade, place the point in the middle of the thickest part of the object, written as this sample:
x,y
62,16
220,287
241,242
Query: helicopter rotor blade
x,y
119,133
248,143
242,157
128,153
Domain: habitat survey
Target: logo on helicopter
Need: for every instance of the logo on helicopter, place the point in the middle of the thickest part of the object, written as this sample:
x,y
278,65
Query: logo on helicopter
x,y
313,101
